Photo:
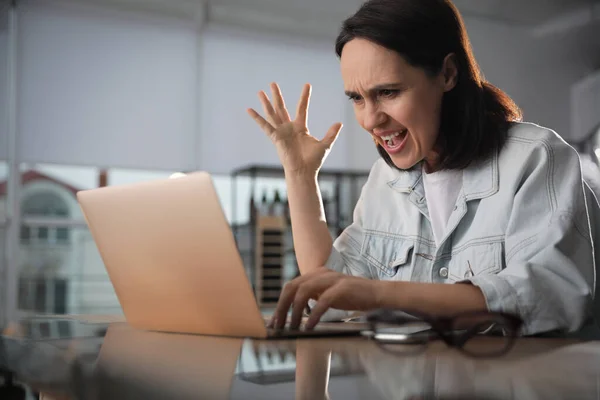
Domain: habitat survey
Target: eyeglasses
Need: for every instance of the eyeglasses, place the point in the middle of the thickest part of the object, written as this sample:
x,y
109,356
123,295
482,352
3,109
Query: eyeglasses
x,y
477,334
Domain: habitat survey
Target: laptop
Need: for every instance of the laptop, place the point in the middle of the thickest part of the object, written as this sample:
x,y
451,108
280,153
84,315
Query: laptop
x,y
172,259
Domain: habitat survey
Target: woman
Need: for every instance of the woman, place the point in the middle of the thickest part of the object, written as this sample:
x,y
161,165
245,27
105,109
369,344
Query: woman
x,y
463,192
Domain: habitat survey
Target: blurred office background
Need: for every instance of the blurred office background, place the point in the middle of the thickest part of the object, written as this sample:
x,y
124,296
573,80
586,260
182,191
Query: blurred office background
x,y
108,92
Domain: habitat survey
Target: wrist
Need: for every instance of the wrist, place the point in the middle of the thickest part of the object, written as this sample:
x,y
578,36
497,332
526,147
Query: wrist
x,y
300,173
389,294
300,176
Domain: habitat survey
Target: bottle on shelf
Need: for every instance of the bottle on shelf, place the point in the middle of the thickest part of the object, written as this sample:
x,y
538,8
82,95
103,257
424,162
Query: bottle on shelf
x,y
277,208
253,209
286,212
264,204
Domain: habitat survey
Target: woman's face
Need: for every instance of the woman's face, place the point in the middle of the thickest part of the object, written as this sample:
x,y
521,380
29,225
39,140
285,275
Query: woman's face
x,y
398,104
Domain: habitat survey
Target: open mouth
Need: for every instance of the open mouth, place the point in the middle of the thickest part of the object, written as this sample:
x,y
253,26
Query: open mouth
x,y
394,141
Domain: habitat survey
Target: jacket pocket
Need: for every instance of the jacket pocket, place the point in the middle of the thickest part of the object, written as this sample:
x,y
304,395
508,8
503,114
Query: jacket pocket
x,y
389,256
476,259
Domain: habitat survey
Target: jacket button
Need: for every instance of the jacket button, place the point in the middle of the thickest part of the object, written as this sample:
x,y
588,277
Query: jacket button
x,y
444,272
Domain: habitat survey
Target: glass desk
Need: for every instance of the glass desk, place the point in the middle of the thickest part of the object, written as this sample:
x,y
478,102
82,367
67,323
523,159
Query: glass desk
x,y
95,359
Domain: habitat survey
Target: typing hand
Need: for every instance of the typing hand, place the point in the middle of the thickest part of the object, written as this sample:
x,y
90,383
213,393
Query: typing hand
x,y
329,289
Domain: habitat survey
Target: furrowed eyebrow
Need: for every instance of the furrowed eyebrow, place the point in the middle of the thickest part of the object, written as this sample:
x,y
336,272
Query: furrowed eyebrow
x,y
394,85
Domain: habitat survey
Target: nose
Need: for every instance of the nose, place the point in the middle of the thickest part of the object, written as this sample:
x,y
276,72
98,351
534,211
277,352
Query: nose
x,y
373,117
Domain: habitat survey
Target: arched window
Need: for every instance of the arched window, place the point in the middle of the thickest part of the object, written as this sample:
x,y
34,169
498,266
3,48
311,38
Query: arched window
x,y
44,205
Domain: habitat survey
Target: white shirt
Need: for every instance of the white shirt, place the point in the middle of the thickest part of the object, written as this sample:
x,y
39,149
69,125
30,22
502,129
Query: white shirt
x,y
441,192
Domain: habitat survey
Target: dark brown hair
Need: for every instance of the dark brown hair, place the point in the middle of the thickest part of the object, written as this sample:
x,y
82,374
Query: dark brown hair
x,y
476,115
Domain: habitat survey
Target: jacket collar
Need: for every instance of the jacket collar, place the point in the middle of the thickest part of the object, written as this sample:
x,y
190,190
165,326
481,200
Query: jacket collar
x,y
480,180
407,180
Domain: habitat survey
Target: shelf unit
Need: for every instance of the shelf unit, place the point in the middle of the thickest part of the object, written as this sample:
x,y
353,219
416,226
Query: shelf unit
x,y
268,268
268,282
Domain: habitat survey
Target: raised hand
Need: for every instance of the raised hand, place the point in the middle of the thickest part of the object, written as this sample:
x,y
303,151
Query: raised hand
x,y
298,151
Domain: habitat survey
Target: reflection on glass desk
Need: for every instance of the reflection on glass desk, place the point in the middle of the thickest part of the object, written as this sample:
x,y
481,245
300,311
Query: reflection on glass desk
x,y
268,363
56,329
123,363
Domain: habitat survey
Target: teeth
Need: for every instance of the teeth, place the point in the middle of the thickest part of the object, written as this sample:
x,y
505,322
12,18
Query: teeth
x,y
393,135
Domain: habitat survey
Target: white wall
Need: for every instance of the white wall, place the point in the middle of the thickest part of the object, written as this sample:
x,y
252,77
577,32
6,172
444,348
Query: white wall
x,y
120,88
585,103
536,73
104,87
236,65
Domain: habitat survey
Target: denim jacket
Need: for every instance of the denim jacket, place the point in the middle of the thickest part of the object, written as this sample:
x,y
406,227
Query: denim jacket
x,y
519,231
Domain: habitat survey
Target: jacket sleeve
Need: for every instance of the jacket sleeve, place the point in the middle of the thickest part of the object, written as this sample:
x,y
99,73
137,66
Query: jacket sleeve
x,y
548,279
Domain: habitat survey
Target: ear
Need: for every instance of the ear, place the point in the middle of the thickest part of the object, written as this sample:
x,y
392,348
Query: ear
x,y
449,72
